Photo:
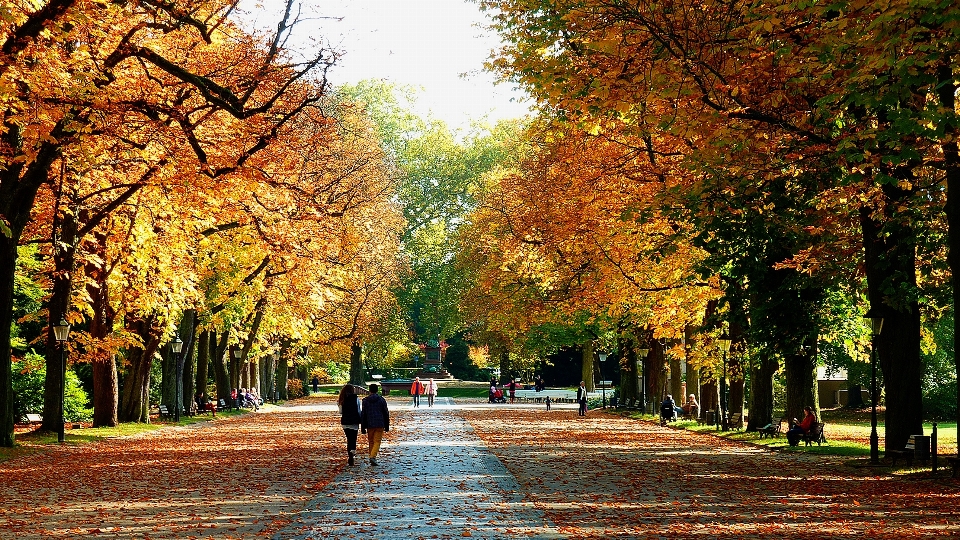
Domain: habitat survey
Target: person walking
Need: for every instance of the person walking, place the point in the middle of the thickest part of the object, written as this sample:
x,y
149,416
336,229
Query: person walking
x,y
513,389
582,399
416,390
431,391
316,384
349,405
374,420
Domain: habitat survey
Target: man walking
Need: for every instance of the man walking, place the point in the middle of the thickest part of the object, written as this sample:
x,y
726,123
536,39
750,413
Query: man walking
x,y
374,420
416,390
582,399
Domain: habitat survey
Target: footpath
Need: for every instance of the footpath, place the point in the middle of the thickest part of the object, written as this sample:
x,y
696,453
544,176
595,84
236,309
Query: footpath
x,y
434,479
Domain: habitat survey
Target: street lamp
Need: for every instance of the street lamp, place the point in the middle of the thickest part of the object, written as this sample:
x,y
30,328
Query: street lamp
x,y
61,332
603,387
644,351
725,346
176,346
873,318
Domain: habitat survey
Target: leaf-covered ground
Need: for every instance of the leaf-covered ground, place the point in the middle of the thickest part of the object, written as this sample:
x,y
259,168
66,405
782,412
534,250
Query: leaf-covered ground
x,y
603,476
233,478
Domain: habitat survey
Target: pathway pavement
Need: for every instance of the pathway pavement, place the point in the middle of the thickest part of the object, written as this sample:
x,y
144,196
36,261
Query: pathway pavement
x,y
434,479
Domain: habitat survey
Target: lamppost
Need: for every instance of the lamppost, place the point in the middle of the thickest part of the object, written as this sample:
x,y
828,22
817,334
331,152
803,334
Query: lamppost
x,y
876,324
175,347
603,386
644,351
725,346
61,332
236,353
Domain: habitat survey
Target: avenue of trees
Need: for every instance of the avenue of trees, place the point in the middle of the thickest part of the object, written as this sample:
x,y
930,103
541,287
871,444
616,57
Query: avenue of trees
x,y
764,173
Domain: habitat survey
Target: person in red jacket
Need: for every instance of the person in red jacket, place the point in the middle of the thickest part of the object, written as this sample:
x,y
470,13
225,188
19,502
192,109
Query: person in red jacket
x,y
804,426
416,390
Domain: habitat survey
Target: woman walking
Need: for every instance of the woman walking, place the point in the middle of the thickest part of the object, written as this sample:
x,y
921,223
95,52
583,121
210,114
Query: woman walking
x,y
431,391
349,405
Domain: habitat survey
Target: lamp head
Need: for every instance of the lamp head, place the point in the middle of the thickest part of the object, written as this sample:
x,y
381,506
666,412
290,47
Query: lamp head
x,y
177,344
61,330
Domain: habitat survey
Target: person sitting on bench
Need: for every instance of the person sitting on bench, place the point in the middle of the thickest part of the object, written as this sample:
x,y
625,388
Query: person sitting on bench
x,y
691,407
799,428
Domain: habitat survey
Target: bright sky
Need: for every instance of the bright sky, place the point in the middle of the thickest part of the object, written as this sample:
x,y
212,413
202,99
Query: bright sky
x,y
435,45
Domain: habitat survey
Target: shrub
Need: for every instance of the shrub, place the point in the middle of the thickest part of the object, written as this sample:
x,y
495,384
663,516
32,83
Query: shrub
x,y
28,377
294,388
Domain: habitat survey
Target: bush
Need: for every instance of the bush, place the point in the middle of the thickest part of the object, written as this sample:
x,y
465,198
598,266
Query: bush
x,y
28,377
294,388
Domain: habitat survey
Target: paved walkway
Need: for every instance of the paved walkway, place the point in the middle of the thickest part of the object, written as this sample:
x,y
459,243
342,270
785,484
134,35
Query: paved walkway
x,y
429,468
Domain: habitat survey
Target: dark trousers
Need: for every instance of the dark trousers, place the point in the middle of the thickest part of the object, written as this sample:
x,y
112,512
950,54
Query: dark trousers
x,y
583,407
416,400
351,439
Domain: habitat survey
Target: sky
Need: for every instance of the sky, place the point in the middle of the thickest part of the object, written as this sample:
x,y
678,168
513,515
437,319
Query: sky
x,y
433,45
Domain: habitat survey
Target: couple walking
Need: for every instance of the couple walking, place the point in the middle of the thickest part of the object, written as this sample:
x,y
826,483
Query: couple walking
x,y
370,416
417,389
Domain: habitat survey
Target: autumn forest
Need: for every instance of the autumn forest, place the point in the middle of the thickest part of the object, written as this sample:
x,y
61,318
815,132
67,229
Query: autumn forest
x,y
692,173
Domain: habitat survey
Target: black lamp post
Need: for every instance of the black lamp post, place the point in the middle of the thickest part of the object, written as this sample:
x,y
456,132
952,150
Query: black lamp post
x,y
725,347
603,387
61,332
876,324
642,379
175,347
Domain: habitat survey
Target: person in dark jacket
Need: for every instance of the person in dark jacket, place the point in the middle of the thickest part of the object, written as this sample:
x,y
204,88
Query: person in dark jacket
x,y
374,420
349,405
582,399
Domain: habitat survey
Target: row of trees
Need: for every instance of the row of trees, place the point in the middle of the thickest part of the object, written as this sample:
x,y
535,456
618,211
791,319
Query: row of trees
x,y
766,170
181,176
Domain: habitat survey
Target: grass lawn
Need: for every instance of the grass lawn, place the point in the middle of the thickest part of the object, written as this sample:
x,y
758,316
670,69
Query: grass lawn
x,y
847,433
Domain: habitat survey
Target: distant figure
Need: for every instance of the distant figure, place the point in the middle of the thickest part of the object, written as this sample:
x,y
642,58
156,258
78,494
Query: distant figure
x,y
513,389
416,390
691,407
582,399
804,426
316,384
374,420
547,400
349,405
431,390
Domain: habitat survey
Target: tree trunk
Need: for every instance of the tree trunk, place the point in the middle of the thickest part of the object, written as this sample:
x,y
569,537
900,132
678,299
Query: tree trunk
x,y
709,396
890,261
64,255
218,351
800,370
203,361
357,375
629,374
105,387
676,380
168,376
586,371
187,333
8,266
282,374
761,392
135,405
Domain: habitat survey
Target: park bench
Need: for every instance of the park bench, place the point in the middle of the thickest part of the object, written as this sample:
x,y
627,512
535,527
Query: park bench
x,y
909,450
815,435
225,405
734,422
164,412
954,462
772,430
33,418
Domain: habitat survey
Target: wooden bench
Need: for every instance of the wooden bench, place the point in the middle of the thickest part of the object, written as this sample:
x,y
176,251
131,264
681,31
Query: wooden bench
x,y
734,421
815,435
954,462
773,430
33,418
909,450
164,412
225,405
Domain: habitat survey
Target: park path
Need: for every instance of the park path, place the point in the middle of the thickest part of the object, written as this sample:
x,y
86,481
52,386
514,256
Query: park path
x,y
434,479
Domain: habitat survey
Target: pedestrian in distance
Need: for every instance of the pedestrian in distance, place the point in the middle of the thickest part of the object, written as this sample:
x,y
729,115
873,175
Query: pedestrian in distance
x,y
316,384
547,400
416,390
349,405
431,390
513,389
582,399
374,420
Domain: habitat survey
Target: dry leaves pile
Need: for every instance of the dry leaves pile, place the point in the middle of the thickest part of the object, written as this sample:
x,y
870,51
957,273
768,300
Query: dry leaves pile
x,y
234,478
605,476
